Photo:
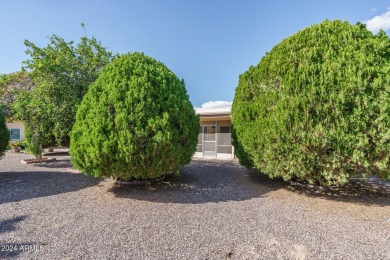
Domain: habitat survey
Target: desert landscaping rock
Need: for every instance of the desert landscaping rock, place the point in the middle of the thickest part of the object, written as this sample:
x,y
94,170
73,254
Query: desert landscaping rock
x,y
213,210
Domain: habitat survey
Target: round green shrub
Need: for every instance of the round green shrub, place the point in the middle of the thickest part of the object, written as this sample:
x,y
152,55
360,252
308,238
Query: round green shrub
x,y
317,107
135,122
4,134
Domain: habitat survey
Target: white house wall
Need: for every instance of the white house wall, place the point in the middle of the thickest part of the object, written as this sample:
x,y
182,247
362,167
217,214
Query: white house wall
x,y
17,125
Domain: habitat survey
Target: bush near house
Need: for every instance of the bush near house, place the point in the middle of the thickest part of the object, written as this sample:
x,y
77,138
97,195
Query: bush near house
x,y
4,134
317,107
135,122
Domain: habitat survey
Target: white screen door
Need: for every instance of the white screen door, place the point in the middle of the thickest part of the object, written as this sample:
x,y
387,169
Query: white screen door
x,y
209,140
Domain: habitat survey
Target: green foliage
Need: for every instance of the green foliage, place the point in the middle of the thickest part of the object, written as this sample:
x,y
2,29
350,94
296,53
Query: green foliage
x,y
4,134
21,144
31,142
61,72
135,122
12,144
317,107
12,85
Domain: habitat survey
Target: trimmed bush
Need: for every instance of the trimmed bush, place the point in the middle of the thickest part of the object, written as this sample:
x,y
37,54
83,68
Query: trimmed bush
x,y
135,122
4,134
317,107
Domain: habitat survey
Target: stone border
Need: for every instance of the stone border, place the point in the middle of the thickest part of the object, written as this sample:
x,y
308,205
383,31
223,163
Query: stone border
x,y
29,161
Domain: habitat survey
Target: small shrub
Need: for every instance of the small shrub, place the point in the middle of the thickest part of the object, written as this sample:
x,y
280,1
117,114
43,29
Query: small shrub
x,y
14,144
31,146
135,122
22,144
317,107
4,133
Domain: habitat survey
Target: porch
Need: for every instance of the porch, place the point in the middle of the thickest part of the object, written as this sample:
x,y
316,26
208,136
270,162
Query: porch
x,y
214,139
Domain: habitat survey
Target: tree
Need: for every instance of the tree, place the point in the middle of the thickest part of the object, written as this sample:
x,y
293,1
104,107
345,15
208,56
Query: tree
x,y
61,72
11,85
4,134
135,122
317,107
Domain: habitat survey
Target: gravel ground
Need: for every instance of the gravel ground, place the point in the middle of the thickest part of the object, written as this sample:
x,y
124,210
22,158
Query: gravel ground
x,y
213,210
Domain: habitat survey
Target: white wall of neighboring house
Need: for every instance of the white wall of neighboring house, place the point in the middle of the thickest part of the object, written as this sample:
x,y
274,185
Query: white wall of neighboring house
x,y
18,130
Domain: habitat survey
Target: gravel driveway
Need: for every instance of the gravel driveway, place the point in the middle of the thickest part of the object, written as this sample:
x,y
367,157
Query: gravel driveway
x,y
213,210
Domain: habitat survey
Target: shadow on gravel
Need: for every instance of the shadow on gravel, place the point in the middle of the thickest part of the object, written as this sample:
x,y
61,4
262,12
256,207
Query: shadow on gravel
x,y
66,153
57,164
19,186
9,225
202,182
352,193
10,250
217,181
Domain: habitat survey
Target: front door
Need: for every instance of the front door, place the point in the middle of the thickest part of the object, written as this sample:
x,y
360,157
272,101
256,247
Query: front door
x,y
209,140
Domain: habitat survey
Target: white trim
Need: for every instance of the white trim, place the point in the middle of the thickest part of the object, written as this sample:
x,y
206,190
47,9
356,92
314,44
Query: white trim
x,y
213,111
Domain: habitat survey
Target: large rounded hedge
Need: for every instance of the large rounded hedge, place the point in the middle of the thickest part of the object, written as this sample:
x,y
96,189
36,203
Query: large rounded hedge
x,y
317,107
4,134
135,122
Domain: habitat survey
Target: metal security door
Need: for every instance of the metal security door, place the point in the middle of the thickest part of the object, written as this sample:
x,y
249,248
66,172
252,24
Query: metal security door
x,y
209,140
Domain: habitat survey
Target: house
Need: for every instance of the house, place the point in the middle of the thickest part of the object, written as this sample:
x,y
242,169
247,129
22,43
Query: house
x,y
214,138
16,130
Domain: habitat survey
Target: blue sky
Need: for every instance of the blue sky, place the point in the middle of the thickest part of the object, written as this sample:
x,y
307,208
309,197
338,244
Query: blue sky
x,y
207,43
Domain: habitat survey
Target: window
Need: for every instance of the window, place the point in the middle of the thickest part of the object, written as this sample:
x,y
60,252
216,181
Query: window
x,y
209,129
14,133
224,129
